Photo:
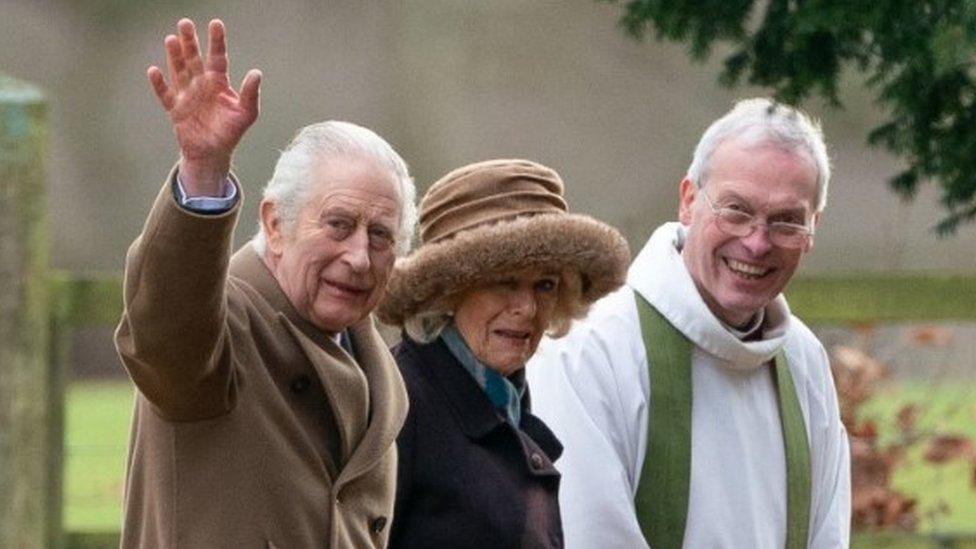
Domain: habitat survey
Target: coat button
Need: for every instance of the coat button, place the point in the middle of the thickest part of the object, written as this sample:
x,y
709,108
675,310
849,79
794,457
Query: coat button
x,y
378,524
300,384
537,461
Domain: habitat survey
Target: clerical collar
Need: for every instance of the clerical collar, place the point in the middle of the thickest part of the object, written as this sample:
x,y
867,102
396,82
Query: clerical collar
x,y
752,331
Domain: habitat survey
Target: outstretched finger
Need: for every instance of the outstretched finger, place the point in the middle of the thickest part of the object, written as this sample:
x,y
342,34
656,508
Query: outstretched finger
x,y
191,46
249,93
217,50
174,60
163,92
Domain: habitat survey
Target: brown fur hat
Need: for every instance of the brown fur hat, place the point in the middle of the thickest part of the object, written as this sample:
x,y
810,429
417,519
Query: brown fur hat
x,y
484,220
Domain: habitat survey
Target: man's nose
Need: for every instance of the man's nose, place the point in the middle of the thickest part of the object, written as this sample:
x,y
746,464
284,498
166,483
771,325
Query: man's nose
x,y
357,251
758,242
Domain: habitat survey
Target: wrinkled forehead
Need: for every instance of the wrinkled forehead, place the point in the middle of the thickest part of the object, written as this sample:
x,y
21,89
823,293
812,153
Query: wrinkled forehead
x,y
353,176
763,171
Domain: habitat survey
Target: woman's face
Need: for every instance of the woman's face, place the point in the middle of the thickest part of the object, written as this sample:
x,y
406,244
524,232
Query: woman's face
x,y
503,321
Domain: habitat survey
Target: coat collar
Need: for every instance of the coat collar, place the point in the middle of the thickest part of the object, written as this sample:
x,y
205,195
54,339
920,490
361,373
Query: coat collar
x,y
468,403
660,276
368,420
386,392
249,267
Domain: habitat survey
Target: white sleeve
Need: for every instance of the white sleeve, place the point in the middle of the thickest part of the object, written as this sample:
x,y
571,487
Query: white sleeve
x,y
830,509
590,387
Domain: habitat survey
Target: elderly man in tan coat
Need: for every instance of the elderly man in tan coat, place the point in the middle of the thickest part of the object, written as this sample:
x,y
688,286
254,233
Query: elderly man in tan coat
x,y
268,406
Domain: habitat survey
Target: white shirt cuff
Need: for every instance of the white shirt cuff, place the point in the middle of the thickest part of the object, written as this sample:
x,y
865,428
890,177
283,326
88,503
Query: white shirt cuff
x,y
208,204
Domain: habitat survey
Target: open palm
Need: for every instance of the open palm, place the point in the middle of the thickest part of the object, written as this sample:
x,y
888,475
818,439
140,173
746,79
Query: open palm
x,y
209,117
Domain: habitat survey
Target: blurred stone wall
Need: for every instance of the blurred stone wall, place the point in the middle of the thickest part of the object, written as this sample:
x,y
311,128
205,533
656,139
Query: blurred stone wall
x,y
447,82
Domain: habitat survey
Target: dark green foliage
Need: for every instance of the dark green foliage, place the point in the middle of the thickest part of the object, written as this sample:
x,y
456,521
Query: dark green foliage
x,y
918,56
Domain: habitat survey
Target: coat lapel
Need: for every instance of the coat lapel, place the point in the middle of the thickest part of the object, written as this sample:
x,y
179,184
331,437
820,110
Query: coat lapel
x,y
386,391
466,400
476,416
344,382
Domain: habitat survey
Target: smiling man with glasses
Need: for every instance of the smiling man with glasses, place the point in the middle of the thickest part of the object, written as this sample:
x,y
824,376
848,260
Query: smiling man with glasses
x,y
695,410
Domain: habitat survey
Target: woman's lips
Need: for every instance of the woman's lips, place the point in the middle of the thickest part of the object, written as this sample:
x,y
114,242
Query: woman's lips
x,y
516,335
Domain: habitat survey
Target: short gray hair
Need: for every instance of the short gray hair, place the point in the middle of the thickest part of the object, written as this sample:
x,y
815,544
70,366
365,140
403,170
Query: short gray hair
x,y
289,185
762,120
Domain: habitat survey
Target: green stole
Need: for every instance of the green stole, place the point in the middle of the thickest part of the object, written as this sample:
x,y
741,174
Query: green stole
x,y
662,494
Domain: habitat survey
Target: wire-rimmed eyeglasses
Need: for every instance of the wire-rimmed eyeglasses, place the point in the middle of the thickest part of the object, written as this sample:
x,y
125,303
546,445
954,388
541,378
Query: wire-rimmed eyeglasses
x,y
741,224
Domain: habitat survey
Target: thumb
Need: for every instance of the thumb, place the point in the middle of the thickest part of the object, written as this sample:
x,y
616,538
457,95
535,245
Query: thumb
x,y
249,93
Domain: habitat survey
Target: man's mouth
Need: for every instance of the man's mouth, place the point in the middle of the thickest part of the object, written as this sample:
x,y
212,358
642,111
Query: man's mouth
x,y
746,270
348,290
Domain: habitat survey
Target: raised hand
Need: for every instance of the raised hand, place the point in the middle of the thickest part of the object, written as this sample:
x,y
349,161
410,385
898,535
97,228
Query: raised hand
x,y
209,117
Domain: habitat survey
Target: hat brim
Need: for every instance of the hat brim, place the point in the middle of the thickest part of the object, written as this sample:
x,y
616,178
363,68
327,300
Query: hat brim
x,y
597,251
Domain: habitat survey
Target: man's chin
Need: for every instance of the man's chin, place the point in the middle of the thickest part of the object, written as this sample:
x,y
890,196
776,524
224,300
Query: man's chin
x,y
740,311
335,319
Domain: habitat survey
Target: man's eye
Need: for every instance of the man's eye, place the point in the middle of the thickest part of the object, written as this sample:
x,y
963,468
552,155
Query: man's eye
x,y
380,239
735,216
788,229
791,220
339,227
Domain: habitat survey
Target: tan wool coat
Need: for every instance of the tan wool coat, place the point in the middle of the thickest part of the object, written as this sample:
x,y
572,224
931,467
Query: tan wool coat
x,y
251,427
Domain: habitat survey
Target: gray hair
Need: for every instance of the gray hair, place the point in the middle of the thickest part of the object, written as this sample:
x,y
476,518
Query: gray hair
x,y
762,120
288,187
424,327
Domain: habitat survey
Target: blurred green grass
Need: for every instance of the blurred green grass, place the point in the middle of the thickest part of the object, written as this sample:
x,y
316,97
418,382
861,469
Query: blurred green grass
x,y
945,408
877,299
910,541
97,418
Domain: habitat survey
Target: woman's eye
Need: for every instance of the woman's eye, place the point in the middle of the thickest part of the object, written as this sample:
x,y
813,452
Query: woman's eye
x,y
546,285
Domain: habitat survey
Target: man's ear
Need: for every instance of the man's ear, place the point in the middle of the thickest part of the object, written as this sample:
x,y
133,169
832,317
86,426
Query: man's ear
x,y
687,193
272,227
813,225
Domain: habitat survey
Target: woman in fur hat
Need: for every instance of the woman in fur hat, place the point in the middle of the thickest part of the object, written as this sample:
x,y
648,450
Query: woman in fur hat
x,y
501,262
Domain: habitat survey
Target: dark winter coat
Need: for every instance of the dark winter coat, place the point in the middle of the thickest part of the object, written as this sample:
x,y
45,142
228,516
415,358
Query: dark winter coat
x,y
467,477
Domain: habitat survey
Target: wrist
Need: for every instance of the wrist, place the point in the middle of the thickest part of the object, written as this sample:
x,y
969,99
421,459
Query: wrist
x,y
203,178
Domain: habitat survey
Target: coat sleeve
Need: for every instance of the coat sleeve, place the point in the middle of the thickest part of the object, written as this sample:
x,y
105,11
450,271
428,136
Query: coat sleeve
x,y
590,388
830,510
173,337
